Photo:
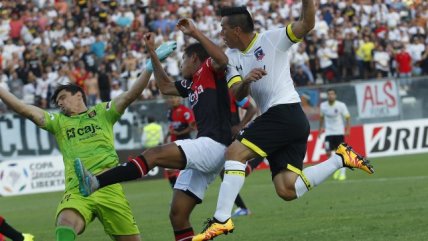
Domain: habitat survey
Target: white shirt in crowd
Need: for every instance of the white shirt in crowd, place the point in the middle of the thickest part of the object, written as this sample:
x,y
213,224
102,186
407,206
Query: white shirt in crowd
x,y
324,56
381,59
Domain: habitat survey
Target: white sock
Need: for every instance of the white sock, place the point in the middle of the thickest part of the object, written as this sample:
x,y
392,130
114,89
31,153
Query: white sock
x,y
233,180
318,173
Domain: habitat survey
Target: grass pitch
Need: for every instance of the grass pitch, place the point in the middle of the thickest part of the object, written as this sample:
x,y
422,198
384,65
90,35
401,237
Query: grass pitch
x,y
390,205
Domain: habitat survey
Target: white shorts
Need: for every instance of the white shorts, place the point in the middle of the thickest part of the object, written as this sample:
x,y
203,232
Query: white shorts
x,y
205,160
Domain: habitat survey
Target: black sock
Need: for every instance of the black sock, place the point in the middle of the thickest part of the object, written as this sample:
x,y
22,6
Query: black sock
x,y
239,202
10,232
134,169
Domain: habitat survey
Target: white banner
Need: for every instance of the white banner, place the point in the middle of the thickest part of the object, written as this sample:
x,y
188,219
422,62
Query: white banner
x,y
396,138
20,137
32,175
377,99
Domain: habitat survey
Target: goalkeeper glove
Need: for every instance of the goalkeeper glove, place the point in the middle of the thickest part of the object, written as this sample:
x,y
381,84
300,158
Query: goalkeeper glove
x,y
163,51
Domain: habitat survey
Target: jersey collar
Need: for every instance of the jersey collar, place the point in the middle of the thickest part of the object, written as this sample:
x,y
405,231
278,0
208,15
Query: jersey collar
x,y
253,41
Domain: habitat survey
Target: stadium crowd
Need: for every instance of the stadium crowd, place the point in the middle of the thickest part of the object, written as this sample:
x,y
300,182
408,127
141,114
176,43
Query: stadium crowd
x,y
97,44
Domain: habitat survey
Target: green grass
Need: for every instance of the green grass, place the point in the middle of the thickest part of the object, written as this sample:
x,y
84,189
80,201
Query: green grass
x,y
390,205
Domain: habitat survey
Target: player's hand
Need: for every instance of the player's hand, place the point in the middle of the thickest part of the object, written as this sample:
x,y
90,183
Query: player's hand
x,y
187,26
149,40
254,75
235,130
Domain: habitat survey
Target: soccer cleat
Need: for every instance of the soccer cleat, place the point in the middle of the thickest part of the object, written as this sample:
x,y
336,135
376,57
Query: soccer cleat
x,y
87,181
28,237
241,212
213,229
352,159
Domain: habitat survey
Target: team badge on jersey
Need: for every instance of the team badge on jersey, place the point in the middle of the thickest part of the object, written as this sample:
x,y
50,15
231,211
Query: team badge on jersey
x,y
259,53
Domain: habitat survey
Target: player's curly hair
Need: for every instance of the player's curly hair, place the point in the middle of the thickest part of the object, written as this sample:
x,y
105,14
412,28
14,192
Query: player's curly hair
x,y
72,88
238,17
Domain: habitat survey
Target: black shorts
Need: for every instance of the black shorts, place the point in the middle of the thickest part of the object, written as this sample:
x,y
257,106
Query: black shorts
x,y
332,142
280,134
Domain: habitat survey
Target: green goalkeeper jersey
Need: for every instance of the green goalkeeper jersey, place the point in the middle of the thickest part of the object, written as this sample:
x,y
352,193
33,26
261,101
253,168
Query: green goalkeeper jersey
x,y
88,136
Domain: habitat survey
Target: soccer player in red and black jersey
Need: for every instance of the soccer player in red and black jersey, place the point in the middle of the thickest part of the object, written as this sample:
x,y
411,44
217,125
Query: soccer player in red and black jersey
x,y
182,123
182,120
203,68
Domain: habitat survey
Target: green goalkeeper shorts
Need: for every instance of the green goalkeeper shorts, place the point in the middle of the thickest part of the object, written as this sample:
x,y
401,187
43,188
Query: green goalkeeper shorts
x,y
108,204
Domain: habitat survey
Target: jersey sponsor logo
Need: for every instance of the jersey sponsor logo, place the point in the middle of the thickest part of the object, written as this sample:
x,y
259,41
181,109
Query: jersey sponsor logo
x,y
238,68
89,129
194,97
259,53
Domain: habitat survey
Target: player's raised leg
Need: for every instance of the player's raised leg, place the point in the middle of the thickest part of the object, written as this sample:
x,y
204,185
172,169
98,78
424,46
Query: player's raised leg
x,y
168,155
12,233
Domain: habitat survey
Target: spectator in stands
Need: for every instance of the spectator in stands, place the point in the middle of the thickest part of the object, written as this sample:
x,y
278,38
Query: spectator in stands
x,y
100,32
381,59
300,77
326,64
116,89
91,89
300,59
365,52
104,81
404,62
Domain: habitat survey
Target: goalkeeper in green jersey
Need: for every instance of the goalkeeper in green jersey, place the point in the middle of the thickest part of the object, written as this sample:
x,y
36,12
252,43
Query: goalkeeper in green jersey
x,y
87,133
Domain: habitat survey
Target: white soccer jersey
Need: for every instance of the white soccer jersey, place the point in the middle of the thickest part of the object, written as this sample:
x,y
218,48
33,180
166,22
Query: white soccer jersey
x,y
268,50
333,117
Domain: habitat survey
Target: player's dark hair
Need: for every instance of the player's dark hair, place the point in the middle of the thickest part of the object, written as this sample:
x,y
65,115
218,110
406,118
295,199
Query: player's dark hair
x,y
238,17
331,89
198,49
72,88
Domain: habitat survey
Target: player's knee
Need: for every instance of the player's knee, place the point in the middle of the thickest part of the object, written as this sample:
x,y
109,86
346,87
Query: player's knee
x,y
232,154
286,193
152,155
176,217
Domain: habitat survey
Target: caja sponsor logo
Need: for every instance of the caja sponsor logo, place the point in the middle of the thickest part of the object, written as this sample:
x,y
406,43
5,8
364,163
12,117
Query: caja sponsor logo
x,y
89,129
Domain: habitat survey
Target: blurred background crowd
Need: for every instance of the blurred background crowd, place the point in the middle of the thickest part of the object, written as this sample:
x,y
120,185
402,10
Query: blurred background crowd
x,y
97,43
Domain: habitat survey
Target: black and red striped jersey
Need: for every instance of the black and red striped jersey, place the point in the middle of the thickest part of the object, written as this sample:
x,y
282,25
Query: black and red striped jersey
x,y
209,98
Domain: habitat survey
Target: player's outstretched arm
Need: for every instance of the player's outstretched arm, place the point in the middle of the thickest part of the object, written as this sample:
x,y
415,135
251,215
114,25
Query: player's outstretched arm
x,y
220,59
33,113
307,19
165,83
126,98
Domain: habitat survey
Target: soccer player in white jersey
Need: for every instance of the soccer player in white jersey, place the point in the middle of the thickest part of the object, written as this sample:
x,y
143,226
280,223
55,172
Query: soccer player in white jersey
x,y
259,66
332,114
